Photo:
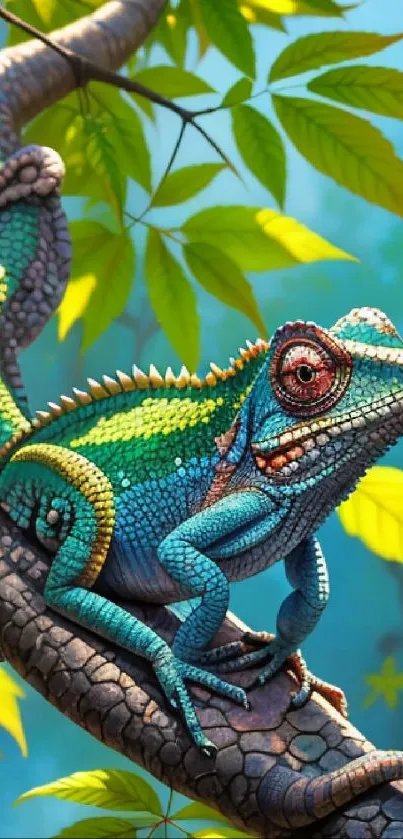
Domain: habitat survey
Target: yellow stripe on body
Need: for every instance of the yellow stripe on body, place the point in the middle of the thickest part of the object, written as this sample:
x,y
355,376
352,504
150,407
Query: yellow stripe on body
x,y
153,416
93,484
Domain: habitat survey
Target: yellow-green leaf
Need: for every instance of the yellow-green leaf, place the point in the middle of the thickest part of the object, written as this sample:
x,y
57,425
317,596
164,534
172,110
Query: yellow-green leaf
x,y
113,789
257,14
228,31
105,827
173,299
261,148
347,148
220,833
374,512
172,82
196,810
312,51
222,277
75,301
320,8
101,278
183,184
376,89
259,239
238,93
10,717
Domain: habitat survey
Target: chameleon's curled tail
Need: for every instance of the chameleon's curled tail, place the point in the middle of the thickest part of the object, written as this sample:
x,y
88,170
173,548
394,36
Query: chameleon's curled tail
x,y
291,800
34,254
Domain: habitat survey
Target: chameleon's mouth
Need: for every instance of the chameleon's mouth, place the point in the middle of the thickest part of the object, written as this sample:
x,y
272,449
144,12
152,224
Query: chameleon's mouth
x,y
306,448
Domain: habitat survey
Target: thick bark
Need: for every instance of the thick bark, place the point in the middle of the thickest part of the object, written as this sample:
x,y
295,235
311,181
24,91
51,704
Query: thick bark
x,y
262,754
276,772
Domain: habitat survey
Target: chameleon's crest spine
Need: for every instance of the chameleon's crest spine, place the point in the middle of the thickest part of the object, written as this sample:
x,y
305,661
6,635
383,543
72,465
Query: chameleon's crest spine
x,y
124,383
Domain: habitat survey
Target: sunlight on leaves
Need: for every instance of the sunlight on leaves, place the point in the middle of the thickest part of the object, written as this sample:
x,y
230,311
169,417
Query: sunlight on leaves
x,y
374,512
376,89
314,51
113,789
385,685
327,8
259,239
10,717
74,303
101,279
347,148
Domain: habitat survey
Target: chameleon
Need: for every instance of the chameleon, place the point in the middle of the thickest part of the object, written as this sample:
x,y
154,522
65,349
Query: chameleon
x,y
167,488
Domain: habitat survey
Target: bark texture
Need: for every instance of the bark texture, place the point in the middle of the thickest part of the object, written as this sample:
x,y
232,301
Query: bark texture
x,y
279,772
33,77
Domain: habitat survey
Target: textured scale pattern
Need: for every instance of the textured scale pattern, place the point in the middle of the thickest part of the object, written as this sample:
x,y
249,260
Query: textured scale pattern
x,y
164,489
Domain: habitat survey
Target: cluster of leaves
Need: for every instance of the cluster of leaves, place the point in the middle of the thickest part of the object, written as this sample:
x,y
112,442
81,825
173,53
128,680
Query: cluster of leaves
x,y
101,135
118,790
10,716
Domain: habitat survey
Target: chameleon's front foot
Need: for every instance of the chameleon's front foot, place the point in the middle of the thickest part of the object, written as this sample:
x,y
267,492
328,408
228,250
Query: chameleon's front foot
x,y
234,657
172,672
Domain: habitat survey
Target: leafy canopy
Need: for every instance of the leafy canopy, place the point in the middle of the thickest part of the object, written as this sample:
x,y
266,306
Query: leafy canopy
x,y
106,140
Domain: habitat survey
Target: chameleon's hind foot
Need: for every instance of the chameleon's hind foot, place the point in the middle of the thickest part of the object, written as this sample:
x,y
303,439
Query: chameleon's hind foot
x,y
172,672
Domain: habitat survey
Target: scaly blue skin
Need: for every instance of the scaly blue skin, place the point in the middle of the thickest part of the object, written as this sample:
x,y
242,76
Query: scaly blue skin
x,y
167,489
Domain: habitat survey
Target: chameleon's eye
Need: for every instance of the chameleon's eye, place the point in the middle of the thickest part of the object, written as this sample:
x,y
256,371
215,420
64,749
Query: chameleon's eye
x,y
309,376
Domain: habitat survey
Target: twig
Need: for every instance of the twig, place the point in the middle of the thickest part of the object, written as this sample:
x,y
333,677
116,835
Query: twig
x,y
86,71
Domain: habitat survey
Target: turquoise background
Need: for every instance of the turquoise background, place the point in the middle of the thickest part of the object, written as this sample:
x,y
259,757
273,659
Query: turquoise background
x,y
363,622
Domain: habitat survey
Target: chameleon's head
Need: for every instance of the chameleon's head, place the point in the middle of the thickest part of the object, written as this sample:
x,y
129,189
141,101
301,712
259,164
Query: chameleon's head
x,y
333,403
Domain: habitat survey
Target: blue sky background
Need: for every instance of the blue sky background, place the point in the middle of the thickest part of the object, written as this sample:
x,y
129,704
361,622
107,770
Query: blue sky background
x,y
365,601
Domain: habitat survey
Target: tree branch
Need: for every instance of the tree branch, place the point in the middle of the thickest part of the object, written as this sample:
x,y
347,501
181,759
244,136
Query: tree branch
x,y
266,756
276,773
33,76
84,71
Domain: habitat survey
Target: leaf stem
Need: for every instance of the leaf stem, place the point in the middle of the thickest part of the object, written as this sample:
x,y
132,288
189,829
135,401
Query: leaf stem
x,y
86,71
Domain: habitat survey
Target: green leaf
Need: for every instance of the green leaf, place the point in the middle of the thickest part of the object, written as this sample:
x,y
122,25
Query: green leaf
x,y
259,239
105,827
10,716
113,789
171,32
173,299
376,89
196,810
101,278
314,51
172,82
126,134
222,277
261,148
238,93
229,32
183,184
347,148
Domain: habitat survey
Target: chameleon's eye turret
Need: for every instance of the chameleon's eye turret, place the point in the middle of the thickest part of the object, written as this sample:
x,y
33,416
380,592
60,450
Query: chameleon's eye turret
x,y
309,371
